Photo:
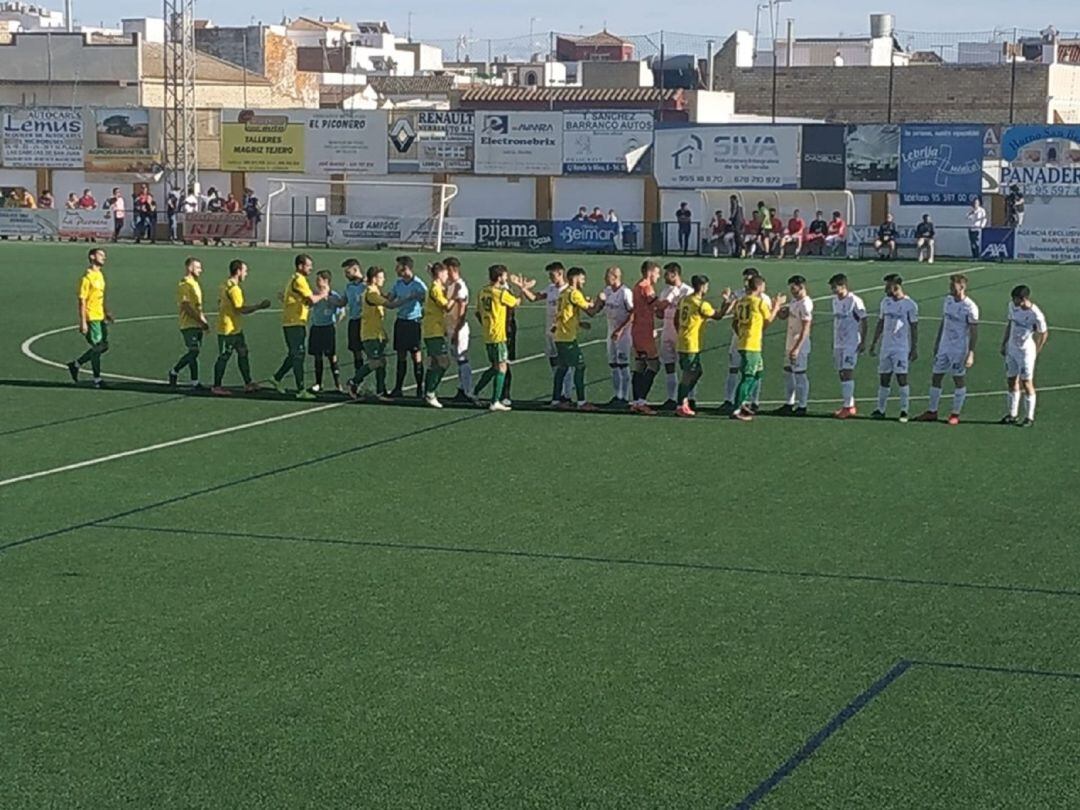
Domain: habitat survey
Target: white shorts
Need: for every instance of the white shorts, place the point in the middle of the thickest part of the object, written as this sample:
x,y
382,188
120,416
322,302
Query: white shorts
x,y
1020,363
951,362
802,360
845,359
549,346
620,351
668,352
893,362
461,349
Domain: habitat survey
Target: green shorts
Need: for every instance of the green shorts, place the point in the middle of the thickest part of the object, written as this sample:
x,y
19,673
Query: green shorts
x,y
752,365
230,343
374,349
294,339
690,361
192,338
496,352
436,347
569,354
97,332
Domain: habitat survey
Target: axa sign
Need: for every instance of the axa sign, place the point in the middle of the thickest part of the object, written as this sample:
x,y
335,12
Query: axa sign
x,y
757,146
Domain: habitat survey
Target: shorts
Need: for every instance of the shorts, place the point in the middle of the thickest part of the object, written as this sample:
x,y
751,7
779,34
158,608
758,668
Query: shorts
x,y
406,335
227,344
1020,363
460,348
893,362
752,365
496,353
549,346
97,332
356,343
618,351
669,356
322,341
951,362
569,354
436,347
845,359
192,337
690,362
374,349
645,346
802,359
294,339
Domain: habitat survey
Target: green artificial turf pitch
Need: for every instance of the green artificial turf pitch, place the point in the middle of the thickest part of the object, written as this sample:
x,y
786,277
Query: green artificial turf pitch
x,y
379,606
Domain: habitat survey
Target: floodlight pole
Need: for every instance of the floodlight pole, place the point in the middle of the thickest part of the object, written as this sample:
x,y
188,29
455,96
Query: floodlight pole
x,y
179,135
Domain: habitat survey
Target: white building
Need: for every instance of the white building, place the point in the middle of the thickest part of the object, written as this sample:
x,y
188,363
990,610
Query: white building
x,y
16,16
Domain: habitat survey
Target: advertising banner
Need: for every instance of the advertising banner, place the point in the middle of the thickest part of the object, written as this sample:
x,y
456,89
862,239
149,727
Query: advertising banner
x,y
1043,160
515,234
49,137
85,223
422,141
459,231
345,231
823,157
344,141
873,156
519,143
940,164
1048,244
998,243
120,144
217,226
606,141
261,141
36,223
569,235
727,157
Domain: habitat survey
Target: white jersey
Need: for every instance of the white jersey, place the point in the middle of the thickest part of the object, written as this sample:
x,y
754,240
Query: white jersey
x,y
672,296
734,336
957,317
459,291
898,315
618,304
848,312
551,299
1023,325
800,311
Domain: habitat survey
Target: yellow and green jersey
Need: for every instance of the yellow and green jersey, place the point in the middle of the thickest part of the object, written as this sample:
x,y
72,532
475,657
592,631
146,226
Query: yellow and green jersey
x,y
92,291
494,303
230,319
189,292
751,314
436,304
295,307
372,311
694,312
572,302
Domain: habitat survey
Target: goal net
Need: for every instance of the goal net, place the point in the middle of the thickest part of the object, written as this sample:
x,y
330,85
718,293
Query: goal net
x,y
356,213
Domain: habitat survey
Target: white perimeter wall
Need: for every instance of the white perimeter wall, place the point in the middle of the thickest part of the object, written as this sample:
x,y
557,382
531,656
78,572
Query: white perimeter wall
x,y
624,194
503,197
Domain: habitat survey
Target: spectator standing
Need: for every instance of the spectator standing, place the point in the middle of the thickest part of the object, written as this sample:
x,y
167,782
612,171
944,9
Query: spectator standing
x,y
613,219
1014,207
737,220
977,219
87,200
146,213
685,219
172,206
253,212
214,203
232,205
72,201
46,199
117,209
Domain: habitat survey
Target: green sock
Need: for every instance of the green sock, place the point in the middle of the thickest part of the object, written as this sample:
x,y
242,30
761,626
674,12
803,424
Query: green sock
x,y
579,383
684,392
286,364
485,378
194,366
380,379
361,373
95,363
298,371
219,369
500,383
746,389
431,380
244,362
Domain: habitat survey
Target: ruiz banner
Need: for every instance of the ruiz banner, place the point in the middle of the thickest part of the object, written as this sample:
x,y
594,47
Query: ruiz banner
x,y
823,158
516,143
873,156
606,142
515,234
423,141
727,157
217,226
570,235
940,164
49,137
1043,160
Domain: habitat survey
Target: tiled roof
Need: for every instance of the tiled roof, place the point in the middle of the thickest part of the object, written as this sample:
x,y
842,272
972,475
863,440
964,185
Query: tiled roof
x,y
207,67
597,95
603,38
411,85
308,24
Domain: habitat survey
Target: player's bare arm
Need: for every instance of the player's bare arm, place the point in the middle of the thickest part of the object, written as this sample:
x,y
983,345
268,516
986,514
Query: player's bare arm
x,y
879,330
1005,338
777,304
864,327
914,354
1040,340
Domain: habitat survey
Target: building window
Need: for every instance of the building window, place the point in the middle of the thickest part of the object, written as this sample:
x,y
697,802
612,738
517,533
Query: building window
x,y
530,79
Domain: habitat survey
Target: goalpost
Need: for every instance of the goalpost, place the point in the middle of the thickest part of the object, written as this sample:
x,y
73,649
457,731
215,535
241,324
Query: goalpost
x,y
357,213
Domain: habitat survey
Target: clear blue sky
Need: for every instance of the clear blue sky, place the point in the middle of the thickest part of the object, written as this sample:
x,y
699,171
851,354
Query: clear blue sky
x,y
447,19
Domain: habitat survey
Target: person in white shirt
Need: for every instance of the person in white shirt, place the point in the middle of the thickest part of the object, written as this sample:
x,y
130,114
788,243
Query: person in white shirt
x,y
550,296
618,303
799,315
116,207
849,340
457,328
674,292
977,219
897,333
731,385
1025,336
954,349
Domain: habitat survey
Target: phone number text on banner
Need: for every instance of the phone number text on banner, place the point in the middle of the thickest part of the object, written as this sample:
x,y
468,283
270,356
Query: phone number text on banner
x,y
727,157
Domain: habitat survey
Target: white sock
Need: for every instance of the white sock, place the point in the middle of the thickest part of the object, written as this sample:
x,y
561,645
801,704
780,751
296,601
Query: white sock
x,y
958,398
731,385
1031,407
802,388
789,387
464,372
616,383
882,398
935,399
627,383
847,391
672,386
1012,402
905,398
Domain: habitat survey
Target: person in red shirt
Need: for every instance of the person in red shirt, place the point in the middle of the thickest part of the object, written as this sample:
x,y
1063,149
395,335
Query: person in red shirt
x,y
837,235
796,231
232,205
777,231
597,215
643,335
751,236
87,199
721,234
